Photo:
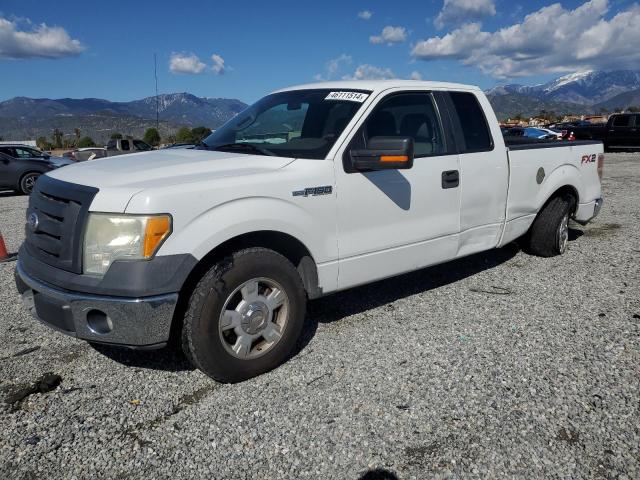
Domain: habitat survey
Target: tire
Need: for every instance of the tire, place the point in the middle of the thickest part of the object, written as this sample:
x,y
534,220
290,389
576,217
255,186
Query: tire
x,y
549,233
27,182
251,338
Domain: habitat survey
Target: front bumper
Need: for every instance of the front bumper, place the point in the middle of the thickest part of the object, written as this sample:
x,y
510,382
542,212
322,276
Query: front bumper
x,y
131,322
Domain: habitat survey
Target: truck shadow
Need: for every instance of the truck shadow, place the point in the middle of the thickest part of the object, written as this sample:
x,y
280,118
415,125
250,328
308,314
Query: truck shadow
x,y
168,359
340,305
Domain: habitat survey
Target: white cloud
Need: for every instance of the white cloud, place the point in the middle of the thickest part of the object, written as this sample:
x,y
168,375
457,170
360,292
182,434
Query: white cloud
x,y
370,72
390,35
40,42
333,67
415,75
550,40
188,63
365,14
218,64
464,11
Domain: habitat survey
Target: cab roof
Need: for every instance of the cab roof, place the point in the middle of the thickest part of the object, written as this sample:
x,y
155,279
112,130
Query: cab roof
x,y
376,86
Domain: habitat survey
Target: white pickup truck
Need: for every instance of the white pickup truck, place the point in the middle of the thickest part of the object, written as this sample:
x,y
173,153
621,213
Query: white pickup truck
x,y
311,190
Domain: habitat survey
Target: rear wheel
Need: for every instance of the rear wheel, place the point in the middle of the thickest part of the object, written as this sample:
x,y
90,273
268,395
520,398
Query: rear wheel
x,y
549,233
244,316
28,181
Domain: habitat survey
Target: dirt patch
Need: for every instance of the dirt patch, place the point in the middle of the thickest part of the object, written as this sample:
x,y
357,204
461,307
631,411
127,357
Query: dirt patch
x,y
604,230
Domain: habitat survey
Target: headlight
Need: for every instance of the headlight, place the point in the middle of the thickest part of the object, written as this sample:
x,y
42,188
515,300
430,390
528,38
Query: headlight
x,y
122,237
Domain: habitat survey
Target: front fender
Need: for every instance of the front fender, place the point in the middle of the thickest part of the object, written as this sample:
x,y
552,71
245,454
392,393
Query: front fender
x,y
251,214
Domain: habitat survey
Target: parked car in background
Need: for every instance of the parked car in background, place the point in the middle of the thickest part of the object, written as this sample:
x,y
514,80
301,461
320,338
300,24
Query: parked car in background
x,y
179,145
531,132
621,132
84,154
20,166
552,132
567,125
121,146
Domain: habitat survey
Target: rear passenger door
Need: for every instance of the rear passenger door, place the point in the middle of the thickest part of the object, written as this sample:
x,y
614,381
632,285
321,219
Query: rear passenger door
x,y
620,134
393,221
484,173
634,138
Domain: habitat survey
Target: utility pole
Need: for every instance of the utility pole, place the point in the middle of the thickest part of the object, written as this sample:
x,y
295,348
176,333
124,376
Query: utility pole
x,y
155,74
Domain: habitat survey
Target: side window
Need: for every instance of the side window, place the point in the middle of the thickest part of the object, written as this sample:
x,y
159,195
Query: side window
x,y
408,115
112,145
7,151
473,124
23,153
637,120
140,145
124,144
621,120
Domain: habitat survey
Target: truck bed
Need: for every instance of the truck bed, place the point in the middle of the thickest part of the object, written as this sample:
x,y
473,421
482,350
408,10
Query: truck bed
x,y
537,169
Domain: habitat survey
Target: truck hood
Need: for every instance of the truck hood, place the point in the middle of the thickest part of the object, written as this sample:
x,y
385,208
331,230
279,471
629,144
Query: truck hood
x,y
119,178
165,167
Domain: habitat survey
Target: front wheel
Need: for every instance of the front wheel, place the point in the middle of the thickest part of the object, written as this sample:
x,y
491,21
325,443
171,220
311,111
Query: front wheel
x,y
549,233
28,181
244,316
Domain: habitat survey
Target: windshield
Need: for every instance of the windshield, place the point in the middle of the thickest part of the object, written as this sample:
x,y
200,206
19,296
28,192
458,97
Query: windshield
x,y
297,123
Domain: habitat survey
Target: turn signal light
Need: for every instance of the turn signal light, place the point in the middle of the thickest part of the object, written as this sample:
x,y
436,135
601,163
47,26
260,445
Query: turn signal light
x,y
394,158
157,229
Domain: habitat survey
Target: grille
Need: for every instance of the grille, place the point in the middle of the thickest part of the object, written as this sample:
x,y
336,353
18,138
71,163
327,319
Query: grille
x,y
61,210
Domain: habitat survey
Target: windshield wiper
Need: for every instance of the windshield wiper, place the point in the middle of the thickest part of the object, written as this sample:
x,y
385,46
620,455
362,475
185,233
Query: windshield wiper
x,y
242,146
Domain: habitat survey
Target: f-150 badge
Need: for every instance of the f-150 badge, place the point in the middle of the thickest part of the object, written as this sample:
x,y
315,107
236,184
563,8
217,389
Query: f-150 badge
x,y
313,191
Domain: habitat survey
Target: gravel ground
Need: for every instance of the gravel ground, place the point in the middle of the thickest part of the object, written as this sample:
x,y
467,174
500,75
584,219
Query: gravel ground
x,y
498,365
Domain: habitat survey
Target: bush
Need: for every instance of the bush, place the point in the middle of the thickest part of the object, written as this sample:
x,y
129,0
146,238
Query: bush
x,y
152,137
86,142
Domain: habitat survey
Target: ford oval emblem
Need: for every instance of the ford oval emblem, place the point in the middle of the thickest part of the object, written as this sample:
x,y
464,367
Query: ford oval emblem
x,y
33,221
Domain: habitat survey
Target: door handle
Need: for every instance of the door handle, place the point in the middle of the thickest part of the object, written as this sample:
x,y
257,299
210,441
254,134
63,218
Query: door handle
x,y
450,179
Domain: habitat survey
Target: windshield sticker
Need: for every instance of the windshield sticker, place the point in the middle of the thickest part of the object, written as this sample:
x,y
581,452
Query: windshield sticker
x,y
348,96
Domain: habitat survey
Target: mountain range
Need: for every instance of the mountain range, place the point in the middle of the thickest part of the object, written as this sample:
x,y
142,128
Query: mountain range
x,y
24,118
578,93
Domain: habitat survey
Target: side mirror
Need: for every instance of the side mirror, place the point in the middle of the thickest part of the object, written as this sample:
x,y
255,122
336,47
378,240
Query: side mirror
x,y
384,153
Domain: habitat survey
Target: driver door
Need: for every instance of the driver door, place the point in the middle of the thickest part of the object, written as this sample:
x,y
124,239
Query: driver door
x,y
394,221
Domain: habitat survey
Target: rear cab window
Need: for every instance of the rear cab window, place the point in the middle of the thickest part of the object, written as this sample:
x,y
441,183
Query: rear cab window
x,y
470,124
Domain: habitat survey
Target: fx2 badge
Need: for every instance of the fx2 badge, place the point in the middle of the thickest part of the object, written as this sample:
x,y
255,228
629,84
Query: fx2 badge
x,y
588,159
313,191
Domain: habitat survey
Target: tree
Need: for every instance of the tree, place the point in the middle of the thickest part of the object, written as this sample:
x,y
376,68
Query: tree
x,y
184,135
171,138
200,133
43,143
152,137
86,142
116,136
57,138
77,133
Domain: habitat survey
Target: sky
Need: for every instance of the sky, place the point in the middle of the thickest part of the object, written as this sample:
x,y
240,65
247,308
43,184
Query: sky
x,y
232,49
